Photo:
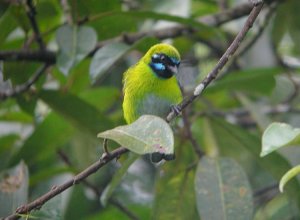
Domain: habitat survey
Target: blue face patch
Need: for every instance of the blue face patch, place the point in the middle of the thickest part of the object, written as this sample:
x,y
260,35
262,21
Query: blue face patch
x,y
158,66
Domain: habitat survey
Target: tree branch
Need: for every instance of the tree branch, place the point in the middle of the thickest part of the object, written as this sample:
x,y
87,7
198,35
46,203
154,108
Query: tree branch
x,y
189,135
223,60
121,150
31,12
39,202
22,88
172,32
98,192
17,55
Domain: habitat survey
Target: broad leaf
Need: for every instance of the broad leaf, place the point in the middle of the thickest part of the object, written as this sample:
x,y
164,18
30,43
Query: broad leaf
x,y
279,135
175,196
74,44
7,25
105,57
108,191
53,131
7,143
254,110
253,80
245,148
289,175
13,188
76,110
222,190
148,134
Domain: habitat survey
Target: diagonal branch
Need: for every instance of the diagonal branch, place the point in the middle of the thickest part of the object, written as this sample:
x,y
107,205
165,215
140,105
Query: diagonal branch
x,y
121,150
31,12
223,60
23,87
171,32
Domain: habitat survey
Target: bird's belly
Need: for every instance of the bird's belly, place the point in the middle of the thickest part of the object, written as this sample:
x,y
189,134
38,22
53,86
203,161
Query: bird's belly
x,y
154,105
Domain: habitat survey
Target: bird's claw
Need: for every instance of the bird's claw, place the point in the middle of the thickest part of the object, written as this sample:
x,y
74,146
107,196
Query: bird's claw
x,y
175,109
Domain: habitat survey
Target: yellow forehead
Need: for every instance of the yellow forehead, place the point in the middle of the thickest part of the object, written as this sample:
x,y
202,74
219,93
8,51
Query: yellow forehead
x,y
166,49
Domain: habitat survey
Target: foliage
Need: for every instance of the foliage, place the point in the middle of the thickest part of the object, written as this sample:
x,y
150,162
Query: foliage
x,y
49,123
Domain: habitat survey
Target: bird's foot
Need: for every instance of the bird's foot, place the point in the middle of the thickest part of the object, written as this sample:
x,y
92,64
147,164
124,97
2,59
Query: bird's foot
x,y
175,109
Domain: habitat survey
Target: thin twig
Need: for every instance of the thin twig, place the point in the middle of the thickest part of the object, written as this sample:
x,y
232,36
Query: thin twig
x,y
260,28
172,32
67,11
121,150
97,191
123,209
24,87
75,180
223,60
31,12
189,135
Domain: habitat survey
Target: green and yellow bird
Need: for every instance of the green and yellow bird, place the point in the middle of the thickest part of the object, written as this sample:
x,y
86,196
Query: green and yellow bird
x,y
150,86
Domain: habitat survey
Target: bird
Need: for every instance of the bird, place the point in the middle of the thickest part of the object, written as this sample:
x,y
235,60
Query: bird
x,y
150,86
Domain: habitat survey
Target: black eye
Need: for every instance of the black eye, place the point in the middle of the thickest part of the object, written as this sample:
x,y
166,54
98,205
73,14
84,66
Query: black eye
x,y
163,58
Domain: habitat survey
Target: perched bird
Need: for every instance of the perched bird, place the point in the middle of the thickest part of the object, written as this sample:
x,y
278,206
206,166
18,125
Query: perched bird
x,y
151,87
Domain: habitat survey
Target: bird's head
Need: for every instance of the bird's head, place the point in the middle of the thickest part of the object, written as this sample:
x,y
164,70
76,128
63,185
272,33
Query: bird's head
x,y
163,59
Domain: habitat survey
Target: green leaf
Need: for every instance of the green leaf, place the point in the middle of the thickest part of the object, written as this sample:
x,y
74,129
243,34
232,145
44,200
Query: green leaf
x,y
115,182
255,111
100,95
175,197
105,57
74,44
222,190
19,72
253,81
45,139
146,135
279,135
245,147
276,209
289,175
7,143
77,111
13,189
15,116
7,25
51,210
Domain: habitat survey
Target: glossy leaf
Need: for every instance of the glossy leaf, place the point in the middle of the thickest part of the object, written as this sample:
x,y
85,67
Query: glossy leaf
x,y
222,190
253,81
240,144
13,188
289,175
53,131
146,135
276,209
175,197
254,110
105,57
7,143
7,25
74,44
76,110
19,72
109,189
98,96
278,135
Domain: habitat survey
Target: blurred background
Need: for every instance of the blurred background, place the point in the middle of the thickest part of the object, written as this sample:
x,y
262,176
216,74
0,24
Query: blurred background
x,y
61,67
